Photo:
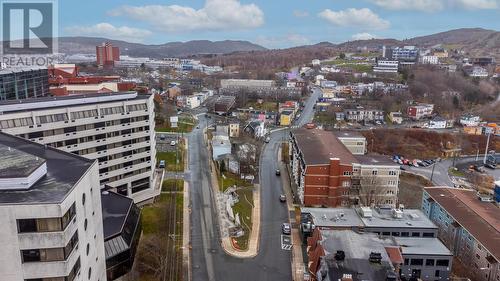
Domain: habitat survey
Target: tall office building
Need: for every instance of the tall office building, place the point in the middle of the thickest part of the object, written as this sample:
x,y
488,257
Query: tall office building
x,y
50,212
22,83
106,54
116,129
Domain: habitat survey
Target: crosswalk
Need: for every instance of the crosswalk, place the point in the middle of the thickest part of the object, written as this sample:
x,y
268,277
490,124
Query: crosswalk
x,y
286,242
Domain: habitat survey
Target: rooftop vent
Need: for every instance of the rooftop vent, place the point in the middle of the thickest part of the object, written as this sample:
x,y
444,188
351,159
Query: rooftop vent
x,y
366,212
340,255
19,170
375,257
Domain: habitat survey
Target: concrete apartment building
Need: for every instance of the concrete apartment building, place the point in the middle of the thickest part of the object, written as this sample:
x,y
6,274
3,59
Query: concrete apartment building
x,y
330,170
468,227
375,181
368,256
386,66
50,211
116,129
19,83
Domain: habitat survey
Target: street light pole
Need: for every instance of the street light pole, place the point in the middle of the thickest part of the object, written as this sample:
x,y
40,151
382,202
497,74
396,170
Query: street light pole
x,y
433,166
486,150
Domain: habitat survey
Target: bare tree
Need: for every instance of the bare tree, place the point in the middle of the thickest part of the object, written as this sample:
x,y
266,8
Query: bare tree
x,y
371,191
483,183
153,258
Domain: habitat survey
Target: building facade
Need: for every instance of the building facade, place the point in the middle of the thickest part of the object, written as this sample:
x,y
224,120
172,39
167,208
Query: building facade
x,y
468,227
50,211
106,54
355,142
23,83
419,111
321,168
116,129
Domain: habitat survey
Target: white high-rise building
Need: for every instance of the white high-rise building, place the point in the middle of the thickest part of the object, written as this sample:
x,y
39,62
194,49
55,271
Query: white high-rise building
x,y
50,212
117,129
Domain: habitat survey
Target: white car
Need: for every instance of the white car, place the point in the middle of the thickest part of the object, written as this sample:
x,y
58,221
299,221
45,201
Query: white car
x,y
172,143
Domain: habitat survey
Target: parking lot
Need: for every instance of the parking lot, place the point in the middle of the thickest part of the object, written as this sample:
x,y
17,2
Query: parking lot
x,y
164,142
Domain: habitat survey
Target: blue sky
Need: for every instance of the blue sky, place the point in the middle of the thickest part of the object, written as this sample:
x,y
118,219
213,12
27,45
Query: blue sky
x,y
271,23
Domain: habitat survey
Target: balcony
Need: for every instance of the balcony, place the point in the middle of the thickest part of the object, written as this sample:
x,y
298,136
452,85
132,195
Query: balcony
x,y
34,270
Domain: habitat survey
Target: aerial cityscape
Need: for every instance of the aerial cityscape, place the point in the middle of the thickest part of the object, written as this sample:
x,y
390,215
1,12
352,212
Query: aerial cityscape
x,y
248,140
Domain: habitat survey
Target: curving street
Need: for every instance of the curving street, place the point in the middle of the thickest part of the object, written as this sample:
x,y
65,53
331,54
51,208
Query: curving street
x,y
208,259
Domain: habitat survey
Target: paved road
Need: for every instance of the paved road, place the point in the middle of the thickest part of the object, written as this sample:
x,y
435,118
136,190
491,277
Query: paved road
x,y
441,170
209,261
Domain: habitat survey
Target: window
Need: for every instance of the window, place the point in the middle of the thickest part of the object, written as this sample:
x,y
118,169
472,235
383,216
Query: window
x,y
83,199
386,233
51,118
405,234
417,262
347,173
395,234
374,172
392,173
136,107
436,274
346,183
84,114
19,122
50,254
90,272
442,263
415,234
85,224
478,256
88,249
429,262
112,110
428,234
407,261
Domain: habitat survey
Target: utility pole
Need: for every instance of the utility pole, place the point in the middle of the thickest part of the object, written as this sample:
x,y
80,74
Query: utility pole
x,y
486,150
477,152
433,166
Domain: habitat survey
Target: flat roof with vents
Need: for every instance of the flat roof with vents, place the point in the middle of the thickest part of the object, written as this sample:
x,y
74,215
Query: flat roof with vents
x,y
24,159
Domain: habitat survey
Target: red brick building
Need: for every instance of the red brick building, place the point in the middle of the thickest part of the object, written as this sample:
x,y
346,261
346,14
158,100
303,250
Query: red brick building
x,y
321,168
106,55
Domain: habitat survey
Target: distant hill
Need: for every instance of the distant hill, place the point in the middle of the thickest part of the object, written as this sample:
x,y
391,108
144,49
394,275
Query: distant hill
x,y
74,45
476,41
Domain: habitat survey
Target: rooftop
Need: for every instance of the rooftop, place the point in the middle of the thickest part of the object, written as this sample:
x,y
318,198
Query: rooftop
x,y
319,146
381,218
10,70
422,246
64,101
357,248
16,163
480,219
375,160
348,134
64,170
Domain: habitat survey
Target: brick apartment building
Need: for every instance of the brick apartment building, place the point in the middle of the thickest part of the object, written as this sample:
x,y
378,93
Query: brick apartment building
x,y
331,170
106,55
321,167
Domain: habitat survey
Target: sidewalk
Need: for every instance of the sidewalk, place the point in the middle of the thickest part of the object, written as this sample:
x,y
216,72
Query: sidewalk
x,y
297,259
186,243
253,243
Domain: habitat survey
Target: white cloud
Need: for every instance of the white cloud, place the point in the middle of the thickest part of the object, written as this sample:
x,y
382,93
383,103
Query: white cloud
x,y
421,5
215,15
107,30
363,36
477,4
290,40
362,18
436,5
300,14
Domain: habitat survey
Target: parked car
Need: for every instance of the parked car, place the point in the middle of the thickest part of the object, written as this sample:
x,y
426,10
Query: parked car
x,y
172,143
286,228
161,164
162,137
267,140
282,198
278,172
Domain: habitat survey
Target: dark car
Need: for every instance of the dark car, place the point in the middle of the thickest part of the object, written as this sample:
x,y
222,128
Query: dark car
x,y
282,198
278,172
